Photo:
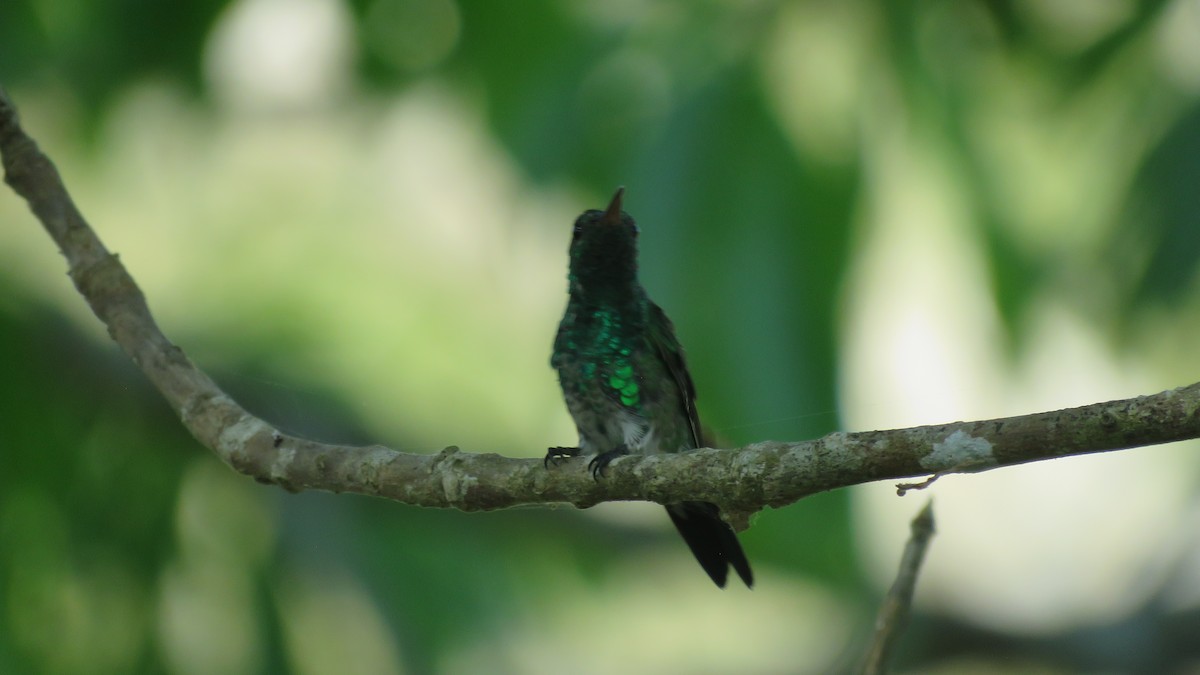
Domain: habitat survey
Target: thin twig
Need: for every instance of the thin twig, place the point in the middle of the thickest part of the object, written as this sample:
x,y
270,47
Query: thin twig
x,y
893,613
745,479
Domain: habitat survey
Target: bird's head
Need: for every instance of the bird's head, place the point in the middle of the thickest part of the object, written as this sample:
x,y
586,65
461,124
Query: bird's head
x,y
604,250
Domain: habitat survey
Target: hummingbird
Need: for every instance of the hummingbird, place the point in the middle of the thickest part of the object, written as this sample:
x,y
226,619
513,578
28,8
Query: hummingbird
x,y
624,377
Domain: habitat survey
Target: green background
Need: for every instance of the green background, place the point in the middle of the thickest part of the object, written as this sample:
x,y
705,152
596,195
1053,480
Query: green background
x,y
354,215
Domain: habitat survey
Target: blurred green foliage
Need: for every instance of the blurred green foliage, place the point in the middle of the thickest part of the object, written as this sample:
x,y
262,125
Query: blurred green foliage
x,y
750,148
96,49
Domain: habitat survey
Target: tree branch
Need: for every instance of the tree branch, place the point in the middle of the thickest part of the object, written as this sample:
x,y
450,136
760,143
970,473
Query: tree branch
x,y
746,479
897,605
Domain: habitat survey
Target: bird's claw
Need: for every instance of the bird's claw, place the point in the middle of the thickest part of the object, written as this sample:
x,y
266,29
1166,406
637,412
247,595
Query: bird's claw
x,y
557,454
602,460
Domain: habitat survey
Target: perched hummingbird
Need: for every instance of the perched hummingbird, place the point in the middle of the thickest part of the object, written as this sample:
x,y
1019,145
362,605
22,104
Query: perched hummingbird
x,y
624,378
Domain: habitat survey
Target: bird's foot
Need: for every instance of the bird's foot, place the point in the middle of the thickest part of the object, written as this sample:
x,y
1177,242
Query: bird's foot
x,y
557,454
602,460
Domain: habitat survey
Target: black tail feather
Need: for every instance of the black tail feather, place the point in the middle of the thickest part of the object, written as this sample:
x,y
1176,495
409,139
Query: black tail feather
x,y
712,540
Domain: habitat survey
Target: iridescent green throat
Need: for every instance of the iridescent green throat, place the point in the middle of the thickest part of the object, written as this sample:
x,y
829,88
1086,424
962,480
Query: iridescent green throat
x,y
602,340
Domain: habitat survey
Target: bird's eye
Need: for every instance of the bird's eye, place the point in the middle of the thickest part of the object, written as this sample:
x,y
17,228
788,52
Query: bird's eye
x,y
578,229
634,229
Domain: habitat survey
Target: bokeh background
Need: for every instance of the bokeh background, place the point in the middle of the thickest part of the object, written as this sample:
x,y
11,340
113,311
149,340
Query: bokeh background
x,y
355,214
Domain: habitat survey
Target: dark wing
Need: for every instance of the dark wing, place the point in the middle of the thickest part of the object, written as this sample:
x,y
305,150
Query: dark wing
x,y
711,539
662,338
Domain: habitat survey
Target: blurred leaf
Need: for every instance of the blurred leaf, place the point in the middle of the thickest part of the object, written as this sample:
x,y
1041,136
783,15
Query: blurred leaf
x,y
1161,224
99,48
92,463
